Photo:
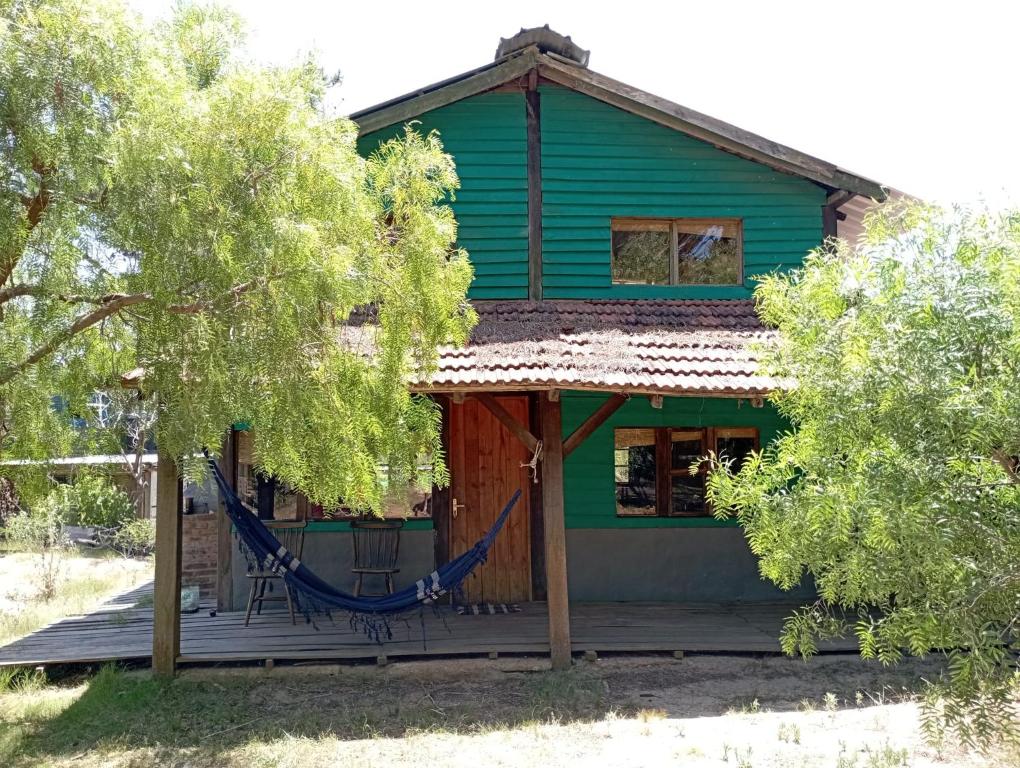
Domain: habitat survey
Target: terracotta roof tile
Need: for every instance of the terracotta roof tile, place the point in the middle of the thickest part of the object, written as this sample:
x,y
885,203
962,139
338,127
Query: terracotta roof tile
x,y
670,347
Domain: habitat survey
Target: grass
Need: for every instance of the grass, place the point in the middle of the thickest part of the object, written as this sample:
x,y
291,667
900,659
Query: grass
x,y
465,713
79,581
214,718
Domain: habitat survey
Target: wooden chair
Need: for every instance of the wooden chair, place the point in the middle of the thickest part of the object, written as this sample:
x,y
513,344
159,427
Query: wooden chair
x,y
376,548
292,536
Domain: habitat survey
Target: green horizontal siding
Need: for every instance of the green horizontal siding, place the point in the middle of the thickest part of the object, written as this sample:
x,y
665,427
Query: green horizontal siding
x,y
599,162
487,136
588,481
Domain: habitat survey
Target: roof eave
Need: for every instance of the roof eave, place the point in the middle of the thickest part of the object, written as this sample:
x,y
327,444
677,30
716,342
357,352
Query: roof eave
x,y
466,389
716,132
462,86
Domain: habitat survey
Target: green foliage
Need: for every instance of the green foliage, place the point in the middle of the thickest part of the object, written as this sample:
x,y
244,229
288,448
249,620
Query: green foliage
x,y
135,537
37,530
170,207
92,500
898,488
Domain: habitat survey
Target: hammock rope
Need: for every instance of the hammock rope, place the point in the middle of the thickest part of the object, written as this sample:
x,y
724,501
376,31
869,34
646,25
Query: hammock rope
x,y
370,613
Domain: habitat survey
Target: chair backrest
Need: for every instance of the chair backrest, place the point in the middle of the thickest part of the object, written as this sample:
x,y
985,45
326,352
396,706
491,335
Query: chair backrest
x,y
291,535
376,543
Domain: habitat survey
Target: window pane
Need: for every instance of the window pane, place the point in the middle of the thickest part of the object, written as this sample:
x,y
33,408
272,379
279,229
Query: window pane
x,y
685,447
736,448
641,253
708,252
688,495
635,471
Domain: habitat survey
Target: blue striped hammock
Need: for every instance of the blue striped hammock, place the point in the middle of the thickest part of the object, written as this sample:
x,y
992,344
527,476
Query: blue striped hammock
x,y
314,595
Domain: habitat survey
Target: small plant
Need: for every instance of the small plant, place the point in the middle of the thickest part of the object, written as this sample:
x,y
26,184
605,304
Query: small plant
x,y
135,538
651,715
752,707
35,530
21,679
789,732
830,702
93,501
886,757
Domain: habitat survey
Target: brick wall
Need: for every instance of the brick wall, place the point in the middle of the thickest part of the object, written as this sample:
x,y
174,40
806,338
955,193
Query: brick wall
x,y
198,558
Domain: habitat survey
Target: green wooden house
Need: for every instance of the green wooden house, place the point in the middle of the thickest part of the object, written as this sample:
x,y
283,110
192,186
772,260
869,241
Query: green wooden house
x,y
615,238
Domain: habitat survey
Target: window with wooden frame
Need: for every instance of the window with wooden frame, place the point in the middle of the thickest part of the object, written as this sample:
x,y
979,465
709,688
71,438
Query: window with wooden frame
x,y
677,251
274,500
652,467
410,503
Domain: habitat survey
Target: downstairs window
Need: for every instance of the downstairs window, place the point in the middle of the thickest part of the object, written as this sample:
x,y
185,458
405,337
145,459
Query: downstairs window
x,y
652,467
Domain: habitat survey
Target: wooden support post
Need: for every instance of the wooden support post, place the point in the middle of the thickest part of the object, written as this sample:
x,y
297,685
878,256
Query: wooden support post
x,y
532,105
830,212
224,539
555,532
166,627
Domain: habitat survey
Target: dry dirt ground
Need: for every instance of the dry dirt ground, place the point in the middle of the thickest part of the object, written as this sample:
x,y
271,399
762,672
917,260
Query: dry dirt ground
x,y
833,711
716,711
77,581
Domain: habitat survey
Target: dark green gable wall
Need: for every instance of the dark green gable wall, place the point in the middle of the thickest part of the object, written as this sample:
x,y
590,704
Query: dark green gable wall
x,y
486,135
599,161
589,486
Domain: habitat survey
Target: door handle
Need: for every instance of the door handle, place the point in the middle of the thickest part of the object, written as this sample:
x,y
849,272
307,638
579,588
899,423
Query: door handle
x,y
456,507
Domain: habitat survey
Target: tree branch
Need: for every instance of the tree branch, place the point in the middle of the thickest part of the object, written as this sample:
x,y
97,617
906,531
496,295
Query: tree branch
x,y
84,322
1009,464
35,206
112,304
38,291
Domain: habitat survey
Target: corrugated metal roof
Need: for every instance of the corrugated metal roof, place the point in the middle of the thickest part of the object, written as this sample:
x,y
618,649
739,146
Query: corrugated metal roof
x,y
669,347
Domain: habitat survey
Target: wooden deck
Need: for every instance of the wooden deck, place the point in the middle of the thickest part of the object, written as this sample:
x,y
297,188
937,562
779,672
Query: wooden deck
x,y
121,633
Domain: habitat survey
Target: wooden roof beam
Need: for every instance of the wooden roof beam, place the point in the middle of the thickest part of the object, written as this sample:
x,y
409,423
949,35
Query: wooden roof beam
x,y
493,406
593,422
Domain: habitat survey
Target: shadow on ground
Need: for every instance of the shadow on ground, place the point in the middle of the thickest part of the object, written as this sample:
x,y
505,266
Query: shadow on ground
x,y
207,713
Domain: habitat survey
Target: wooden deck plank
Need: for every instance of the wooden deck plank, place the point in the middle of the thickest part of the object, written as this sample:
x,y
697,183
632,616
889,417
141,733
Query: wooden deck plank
x,y
603,628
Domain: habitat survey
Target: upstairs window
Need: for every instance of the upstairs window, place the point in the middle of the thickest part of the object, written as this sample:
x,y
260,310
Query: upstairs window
x,y
677,252
652,467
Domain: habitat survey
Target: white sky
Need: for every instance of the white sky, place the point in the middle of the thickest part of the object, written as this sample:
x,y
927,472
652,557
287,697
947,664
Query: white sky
x,y
921,96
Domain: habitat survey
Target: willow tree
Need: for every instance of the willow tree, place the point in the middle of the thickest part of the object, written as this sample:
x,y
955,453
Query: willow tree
x,y
171,207
898,488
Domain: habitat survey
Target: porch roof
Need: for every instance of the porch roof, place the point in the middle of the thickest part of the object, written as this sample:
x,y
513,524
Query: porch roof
x,y
676,347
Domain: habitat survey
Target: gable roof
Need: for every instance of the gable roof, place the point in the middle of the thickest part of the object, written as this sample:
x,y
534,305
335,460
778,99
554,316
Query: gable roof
x,y
673,347
517,64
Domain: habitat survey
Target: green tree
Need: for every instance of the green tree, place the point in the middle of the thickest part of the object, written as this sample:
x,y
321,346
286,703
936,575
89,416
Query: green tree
x,y
169,206
897,490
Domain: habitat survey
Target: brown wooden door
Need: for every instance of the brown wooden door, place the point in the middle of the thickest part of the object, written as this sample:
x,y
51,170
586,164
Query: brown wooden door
x,y
485,471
